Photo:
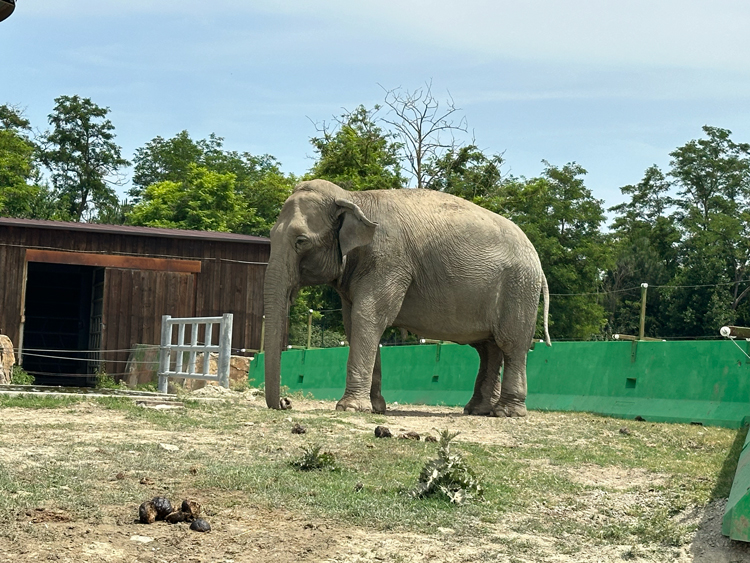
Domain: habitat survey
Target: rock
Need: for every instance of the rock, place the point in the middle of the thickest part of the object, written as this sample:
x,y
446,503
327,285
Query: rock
x,y
163,507
382,432
191,507
285,404
200,525
141,539
146,481
147,513
410,435
120,476
298,428
429,438
625,430
177,516
142,365
169,447
639,418
358,487
7,360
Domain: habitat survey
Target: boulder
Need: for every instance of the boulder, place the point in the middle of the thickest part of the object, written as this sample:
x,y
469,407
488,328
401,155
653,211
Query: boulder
x,y
142,365
7,359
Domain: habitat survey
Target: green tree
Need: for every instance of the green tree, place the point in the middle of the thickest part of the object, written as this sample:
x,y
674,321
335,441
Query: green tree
x,y
712,176
563,220
259,186
21,191
645,243
204,201
356,153
162,160
81,154
468,173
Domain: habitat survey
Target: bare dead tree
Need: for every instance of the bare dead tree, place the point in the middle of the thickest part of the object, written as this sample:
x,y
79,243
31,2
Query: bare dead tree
x,y
427,129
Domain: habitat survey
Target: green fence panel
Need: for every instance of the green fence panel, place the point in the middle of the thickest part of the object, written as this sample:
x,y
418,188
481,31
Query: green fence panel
x,y
697,381
736,523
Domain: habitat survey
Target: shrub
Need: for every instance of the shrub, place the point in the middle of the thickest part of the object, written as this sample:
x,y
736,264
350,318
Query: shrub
x,y
312,459
20,376
448,475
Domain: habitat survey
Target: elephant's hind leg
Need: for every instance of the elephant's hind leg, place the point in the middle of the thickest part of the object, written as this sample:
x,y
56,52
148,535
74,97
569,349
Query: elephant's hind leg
x,y
513,395
487,387
376,396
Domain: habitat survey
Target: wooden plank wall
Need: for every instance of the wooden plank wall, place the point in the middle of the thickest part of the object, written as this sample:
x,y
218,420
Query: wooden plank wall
x,y
132,312
135,300
11,286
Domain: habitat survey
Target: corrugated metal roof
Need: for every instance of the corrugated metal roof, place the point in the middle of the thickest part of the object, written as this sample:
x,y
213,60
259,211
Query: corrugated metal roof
x,y
132,231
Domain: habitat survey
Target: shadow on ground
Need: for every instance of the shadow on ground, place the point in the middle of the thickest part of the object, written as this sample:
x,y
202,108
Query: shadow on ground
x,y
710,545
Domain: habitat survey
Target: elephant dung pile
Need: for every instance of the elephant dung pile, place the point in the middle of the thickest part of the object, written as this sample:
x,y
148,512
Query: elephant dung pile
x,y
160,508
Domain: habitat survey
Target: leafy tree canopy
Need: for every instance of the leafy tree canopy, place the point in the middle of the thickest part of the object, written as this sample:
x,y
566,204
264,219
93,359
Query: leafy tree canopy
x,y
204,201
21,192
81,153
357,154
258,186
563,221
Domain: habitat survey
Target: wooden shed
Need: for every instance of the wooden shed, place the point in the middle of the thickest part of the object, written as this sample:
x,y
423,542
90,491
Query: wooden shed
x,y
76,295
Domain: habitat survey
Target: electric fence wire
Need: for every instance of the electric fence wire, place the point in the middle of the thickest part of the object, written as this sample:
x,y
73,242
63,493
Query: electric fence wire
x,y
628,289
734,341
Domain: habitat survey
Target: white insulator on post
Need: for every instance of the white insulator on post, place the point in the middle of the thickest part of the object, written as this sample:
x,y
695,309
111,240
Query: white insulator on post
x,y
725,331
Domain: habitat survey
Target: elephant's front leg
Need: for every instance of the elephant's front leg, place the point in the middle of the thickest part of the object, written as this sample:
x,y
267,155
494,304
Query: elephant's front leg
x,y
366,326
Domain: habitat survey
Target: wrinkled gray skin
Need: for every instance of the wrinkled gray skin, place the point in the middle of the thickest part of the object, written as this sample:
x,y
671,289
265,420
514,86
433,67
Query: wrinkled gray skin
x,y
428,262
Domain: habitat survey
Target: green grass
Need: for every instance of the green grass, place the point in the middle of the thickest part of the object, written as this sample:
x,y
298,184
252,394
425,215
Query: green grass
x,y
232,453
36,401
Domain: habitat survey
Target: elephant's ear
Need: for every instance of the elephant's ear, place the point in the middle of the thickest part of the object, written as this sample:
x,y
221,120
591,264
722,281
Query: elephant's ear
x,y
356,229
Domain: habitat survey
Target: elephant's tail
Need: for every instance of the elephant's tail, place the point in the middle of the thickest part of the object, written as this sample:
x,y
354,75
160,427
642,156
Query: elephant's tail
x,y
545,292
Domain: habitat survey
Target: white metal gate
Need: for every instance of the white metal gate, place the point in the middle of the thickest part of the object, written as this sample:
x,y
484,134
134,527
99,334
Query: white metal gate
x,y
179,360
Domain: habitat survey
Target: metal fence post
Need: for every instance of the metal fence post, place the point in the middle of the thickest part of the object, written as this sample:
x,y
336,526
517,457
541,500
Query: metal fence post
x,y
164,353
225,349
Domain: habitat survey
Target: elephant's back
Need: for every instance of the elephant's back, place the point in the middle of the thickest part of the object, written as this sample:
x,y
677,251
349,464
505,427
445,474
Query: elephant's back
x,y
446,228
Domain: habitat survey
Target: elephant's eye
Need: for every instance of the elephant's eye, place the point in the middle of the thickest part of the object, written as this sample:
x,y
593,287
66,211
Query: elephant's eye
x,y
301,242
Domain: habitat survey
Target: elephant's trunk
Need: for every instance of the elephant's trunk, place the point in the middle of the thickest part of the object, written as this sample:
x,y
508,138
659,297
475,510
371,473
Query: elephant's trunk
x,y
278,287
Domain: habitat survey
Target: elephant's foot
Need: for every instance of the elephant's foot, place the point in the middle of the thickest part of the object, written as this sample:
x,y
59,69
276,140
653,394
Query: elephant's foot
x,y
378,404
478,408
353,404
513,410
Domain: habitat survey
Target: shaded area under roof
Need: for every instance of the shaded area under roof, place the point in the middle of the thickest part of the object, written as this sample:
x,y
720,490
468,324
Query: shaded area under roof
x,y
133,231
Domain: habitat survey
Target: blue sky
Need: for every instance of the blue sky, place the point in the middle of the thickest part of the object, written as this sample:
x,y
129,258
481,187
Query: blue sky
x,y
614,86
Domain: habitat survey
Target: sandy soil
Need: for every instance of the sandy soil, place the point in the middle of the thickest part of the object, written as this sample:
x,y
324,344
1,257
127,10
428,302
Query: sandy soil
x,y
245,533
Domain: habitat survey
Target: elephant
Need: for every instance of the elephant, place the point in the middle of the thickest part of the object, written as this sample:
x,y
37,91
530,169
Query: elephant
x,y
429,262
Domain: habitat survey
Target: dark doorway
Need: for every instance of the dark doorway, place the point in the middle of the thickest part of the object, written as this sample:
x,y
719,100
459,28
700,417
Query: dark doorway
x,y
62,321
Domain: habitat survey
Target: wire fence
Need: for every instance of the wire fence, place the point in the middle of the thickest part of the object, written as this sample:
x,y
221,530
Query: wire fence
x,y
322,330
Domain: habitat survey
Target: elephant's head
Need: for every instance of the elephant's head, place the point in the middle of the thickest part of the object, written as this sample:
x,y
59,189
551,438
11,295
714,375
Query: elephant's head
x,y
318,226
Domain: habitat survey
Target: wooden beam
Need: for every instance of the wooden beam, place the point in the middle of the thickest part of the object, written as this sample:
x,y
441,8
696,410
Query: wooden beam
x,y
111,261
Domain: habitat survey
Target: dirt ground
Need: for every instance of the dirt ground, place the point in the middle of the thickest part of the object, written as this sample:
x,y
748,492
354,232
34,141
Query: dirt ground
x,y
242,533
